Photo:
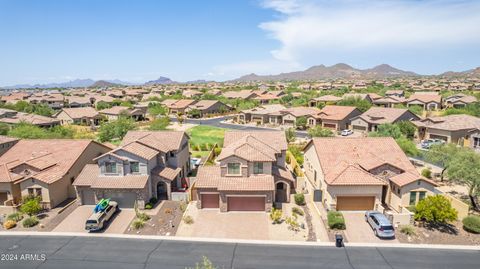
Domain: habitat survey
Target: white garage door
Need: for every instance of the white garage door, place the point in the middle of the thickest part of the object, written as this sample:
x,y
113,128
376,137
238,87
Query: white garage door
x,y
124,199
88,197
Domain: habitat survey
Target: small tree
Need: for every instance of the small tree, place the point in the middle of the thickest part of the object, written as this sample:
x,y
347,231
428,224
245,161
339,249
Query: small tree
x,y
116,129
276,216
427,173
435,209
290,134
194,113
387,130
31,205
407,128
464,168
318,131
442,155
301,123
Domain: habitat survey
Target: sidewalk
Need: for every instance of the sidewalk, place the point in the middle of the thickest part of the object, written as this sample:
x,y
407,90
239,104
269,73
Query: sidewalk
x,y
320,229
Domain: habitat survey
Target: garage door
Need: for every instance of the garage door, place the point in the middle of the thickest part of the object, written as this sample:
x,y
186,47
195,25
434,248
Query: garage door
x,y
240,203
330,125
3,198
88,197
359,128
210,201
355,202
124,199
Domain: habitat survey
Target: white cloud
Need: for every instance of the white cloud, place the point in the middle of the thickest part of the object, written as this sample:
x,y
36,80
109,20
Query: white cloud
x,y
307,26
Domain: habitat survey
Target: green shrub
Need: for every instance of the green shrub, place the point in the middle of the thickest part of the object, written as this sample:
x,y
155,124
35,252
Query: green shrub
x,y
9,224
293,223
299,199
335,220
183,206
30,222
31,206
472,224
188,220
298,211
143,216
435,209
427,173
276,216
408,230
412,208
148,205
137,224
17,216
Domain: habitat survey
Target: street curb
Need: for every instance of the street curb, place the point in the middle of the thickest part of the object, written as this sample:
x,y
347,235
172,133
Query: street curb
x,y
243,241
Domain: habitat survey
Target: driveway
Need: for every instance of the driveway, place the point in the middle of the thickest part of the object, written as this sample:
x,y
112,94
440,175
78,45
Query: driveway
x,y
211,223
359,231
75,222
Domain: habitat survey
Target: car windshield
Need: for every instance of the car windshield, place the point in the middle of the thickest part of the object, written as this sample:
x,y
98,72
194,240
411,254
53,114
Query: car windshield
x,y
91,222
389,227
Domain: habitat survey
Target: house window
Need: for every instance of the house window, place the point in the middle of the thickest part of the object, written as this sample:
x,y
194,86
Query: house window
x,y
233,169
34,192
111,167
476,142
421,196
413,197
258,168
134,167
172,154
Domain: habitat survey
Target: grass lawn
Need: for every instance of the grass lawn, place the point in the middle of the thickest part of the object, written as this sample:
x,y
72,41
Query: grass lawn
x,y
202,134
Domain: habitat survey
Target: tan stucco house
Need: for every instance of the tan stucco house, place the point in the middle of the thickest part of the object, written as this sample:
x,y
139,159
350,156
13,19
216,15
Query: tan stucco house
x,y
249,175
369,173
370,119
146,164
45,168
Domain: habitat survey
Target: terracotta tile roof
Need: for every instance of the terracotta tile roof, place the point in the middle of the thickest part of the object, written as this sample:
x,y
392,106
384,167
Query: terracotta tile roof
x,y
139,150
166,172
90,176
204,104
182,103
81,112
331,112
379,115
243,94
328,98
208,177
282,173
450,122
337,154
14,117
54,157
301,111
425,98
84,100
116,110
265,109
163,141
253,183
274,139
249,148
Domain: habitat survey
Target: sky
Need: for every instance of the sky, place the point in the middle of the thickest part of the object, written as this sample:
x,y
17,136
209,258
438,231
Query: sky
x,y
56,41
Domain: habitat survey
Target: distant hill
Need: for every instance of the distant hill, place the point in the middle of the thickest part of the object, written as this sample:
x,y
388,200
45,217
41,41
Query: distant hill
x,y
77,83
469,73
340,70
160,80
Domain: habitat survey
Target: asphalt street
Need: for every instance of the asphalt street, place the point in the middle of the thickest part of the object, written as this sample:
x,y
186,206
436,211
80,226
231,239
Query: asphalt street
x,y
217,122
117,253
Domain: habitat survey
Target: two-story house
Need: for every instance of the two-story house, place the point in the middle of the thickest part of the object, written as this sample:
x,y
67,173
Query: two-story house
x,y
250,173
146,164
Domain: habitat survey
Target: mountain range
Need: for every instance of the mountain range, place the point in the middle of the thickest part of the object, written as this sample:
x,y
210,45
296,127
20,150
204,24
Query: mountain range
x,y
317,72
340,70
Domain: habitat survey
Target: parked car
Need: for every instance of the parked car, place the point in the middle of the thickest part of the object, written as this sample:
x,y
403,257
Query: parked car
x,y
428,143
98,219
381,226
346,132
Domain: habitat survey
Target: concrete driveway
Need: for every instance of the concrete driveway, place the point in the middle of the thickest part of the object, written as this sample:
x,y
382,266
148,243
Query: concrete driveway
x,y
359,231
211,223
75,222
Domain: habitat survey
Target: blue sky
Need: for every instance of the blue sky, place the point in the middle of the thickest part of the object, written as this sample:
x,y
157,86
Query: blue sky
x,y
54,41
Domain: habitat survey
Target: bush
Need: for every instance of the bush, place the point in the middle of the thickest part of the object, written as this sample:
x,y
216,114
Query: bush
x,y
298,211
472,224
276,215
17,216
183,206
427,173
31,206
299,199
9,224
188,220
143,216
408,230
30,222
435,209
335,220
293,223
137,224
148,205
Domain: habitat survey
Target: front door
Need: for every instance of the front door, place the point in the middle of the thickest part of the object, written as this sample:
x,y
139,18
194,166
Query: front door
x,y
162,193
